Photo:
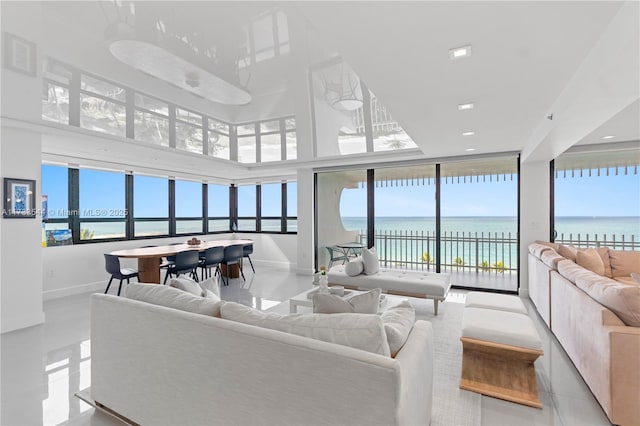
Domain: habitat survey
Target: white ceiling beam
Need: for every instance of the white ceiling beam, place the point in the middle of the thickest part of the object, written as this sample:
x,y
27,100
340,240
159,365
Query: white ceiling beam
x,y
605,84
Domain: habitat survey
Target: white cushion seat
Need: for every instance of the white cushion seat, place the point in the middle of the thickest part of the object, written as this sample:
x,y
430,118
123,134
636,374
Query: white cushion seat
x,y
497,347
429,285
498,302
503,327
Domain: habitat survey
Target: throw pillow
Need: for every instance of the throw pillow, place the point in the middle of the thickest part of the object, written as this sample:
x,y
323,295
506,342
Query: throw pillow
x,y
398,322
172,297
365,303
358,331
569,252
635,277
591,260
371,262
354,267
186,284
211,285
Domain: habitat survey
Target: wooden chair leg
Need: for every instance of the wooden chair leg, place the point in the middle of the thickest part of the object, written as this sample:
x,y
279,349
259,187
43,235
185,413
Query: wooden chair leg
x,y
108,285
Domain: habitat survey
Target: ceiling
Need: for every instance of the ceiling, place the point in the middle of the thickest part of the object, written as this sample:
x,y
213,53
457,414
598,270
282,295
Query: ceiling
x,y
530,60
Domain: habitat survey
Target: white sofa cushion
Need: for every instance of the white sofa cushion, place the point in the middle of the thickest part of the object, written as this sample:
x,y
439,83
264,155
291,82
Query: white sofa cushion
x,y
171,297
187,284
434,285
398,321
211,285
371,261
354,267
500,302
364,303
503,327
358,331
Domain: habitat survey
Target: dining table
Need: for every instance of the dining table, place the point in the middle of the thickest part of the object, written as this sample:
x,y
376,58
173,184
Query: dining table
x,y
149,258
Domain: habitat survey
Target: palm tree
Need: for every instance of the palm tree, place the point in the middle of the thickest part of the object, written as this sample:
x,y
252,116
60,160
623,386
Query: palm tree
x,y
86,234
458,261
426,257
498,266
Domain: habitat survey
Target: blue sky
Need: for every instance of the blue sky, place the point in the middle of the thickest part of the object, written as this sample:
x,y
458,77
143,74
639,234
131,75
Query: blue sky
x,y
587,196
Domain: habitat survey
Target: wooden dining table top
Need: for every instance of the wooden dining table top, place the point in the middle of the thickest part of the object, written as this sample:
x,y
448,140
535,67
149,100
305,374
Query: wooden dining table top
x,y
172,249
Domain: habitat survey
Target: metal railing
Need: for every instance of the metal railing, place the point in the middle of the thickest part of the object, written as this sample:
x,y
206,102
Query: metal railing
x,y
616,242
491,252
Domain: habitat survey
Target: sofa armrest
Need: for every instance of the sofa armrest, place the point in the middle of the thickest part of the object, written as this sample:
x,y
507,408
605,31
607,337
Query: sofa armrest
x,y
416,359
624,373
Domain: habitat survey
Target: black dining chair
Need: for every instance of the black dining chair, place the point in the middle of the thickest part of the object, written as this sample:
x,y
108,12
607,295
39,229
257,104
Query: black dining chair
x,y
246,251
186,263
233,256
170,262
213,256
112,265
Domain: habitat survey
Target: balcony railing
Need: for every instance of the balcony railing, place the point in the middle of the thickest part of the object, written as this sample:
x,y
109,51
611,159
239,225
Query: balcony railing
x,y
491,252
459,251
616,242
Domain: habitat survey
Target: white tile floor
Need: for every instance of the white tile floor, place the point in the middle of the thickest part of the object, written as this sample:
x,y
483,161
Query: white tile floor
x,y
43,367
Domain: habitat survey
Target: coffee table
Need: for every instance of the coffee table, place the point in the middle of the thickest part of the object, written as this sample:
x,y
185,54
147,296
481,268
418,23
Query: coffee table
x,y
302,300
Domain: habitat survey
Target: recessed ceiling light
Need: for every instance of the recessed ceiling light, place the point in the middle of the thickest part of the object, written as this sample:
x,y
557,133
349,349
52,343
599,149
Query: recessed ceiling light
x,y
470,149
460,52
608,137
462,107
104,149
468,133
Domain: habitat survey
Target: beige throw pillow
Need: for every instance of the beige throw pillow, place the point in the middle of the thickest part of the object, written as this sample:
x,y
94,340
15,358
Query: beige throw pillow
x,y
398,322
359,331
591,260
365,303
568,252
172,297
371,262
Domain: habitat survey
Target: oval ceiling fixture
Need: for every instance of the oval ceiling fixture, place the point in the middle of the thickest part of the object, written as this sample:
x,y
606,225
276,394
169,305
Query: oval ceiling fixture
x,y
166,66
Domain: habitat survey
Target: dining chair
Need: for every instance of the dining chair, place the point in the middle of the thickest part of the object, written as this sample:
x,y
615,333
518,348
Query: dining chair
x,y
213,256
112,265
335,255
170,262
186,263
246,251
233,256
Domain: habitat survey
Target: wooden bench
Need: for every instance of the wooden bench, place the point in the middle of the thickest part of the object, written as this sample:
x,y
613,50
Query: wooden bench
x,y
499,351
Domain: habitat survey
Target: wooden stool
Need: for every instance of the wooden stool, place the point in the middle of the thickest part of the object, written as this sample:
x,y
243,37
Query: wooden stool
x,y
499,350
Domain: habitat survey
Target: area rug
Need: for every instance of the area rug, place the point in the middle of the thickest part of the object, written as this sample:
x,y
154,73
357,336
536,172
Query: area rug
x,y
451,405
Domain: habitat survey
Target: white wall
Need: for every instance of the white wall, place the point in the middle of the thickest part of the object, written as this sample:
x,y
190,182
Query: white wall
x,y
20,157
76,269
534,212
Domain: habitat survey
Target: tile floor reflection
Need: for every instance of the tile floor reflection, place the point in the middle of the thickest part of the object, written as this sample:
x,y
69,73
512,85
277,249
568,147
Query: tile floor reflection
x,y
43,367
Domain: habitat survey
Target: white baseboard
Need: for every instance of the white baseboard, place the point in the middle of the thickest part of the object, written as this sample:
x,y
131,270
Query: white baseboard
x,y
76,289
285,266
23,321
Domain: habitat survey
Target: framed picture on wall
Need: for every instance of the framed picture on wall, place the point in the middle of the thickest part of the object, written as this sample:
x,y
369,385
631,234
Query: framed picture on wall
x,y
19,54
19,198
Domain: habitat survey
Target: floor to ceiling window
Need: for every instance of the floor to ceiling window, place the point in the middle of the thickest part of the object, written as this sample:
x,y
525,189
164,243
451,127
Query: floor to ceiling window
x,y
405,210
341,211
150,206
477,226
597,198
479,222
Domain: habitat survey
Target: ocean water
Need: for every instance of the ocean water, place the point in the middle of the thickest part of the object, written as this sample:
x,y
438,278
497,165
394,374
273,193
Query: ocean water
x,y
477,242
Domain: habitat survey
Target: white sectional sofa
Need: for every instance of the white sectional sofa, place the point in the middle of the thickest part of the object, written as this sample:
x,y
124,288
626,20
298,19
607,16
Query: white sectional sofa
x,y
158,365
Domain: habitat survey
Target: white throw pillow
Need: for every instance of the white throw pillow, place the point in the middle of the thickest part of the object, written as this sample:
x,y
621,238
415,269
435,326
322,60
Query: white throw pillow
x,y
212,285
635,277
365,303
354,267
358,331
398,322
187,284
172,297
371,262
